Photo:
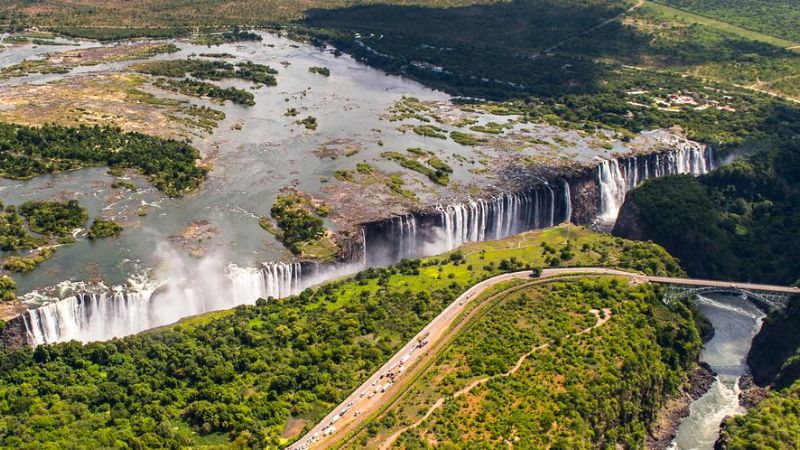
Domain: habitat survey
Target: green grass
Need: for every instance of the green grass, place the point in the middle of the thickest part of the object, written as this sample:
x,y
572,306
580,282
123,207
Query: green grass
x,y
726,27
482,260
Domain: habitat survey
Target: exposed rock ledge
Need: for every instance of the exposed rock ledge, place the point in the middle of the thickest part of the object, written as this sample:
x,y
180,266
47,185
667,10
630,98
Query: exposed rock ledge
x,y
664,428
751,394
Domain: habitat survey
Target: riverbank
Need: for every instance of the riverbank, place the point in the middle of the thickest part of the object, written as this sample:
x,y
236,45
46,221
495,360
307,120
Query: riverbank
x,y
664,428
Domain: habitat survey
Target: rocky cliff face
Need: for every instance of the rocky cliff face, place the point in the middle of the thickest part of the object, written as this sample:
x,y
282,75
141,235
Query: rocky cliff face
x,y
13,335
774,358
627,225
585,195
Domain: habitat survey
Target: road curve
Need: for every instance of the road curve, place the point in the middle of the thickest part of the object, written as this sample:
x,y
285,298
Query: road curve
x,y
361,403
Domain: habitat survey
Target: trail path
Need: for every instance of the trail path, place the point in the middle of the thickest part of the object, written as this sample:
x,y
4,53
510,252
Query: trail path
x,y
589,30
601,320
366,399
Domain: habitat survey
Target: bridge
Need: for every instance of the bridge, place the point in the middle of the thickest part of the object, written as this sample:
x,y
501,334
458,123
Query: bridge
x,y
773,297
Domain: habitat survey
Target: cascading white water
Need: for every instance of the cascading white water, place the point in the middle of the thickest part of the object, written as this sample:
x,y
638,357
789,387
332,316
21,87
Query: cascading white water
x,y
613,187
475,220
106,314
498,217
567,203
616,177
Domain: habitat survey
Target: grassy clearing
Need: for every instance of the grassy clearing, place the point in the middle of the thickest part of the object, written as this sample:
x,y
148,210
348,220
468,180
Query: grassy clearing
x,y
671,12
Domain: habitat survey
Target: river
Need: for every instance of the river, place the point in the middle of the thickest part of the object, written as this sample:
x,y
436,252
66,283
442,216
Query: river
x,y
736,321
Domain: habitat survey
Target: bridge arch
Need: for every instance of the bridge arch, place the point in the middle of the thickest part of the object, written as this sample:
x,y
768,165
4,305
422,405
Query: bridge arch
x,y
770,300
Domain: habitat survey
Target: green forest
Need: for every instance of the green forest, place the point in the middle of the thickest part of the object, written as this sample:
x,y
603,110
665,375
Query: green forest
x,y
32,232
739,222
775,17
26,152
209,70
773,424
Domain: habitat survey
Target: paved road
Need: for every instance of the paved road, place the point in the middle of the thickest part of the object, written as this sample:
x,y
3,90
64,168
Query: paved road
x,y
361,402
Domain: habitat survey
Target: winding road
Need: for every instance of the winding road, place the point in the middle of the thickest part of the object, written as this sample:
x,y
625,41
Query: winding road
x,y
371,395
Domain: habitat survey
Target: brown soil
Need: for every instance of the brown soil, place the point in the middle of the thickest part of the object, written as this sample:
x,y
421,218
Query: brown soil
x,y
11,309
293,428
96,55
366,199
104,99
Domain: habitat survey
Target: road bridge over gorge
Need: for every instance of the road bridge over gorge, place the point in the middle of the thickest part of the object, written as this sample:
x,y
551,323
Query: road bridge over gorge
x,y
773,296
372,395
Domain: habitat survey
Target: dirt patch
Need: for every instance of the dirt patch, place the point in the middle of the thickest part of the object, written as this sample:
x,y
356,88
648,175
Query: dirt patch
x,y
367,198
97,55
11,309
104,99
293,428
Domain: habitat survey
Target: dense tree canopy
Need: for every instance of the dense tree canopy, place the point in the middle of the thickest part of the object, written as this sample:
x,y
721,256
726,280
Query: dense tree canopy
x,y
26,152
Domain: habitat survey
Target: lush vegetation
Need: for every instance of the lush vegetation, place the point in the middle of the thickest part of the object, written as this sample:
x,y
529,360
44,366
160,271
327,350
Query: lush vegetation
x,y
775,355
116,34
28,262
436,170
196,88
102,228
737,223
209,70
467,138
773,424
591,390
299,222
26,152
244,374
8,288
54,218
13,232
774,17
582,84
162,18
57,220
234,35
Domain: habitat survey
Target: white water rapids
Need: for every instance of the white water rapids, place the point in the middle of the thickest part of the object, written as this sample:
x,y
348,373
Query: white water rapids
x,y
736,321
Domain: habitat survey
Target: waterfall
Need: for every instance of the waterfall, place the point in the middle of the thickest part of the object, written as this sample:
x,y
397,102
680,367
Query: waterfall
x,y
615,177
107,313
474,220
567,203
102,313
